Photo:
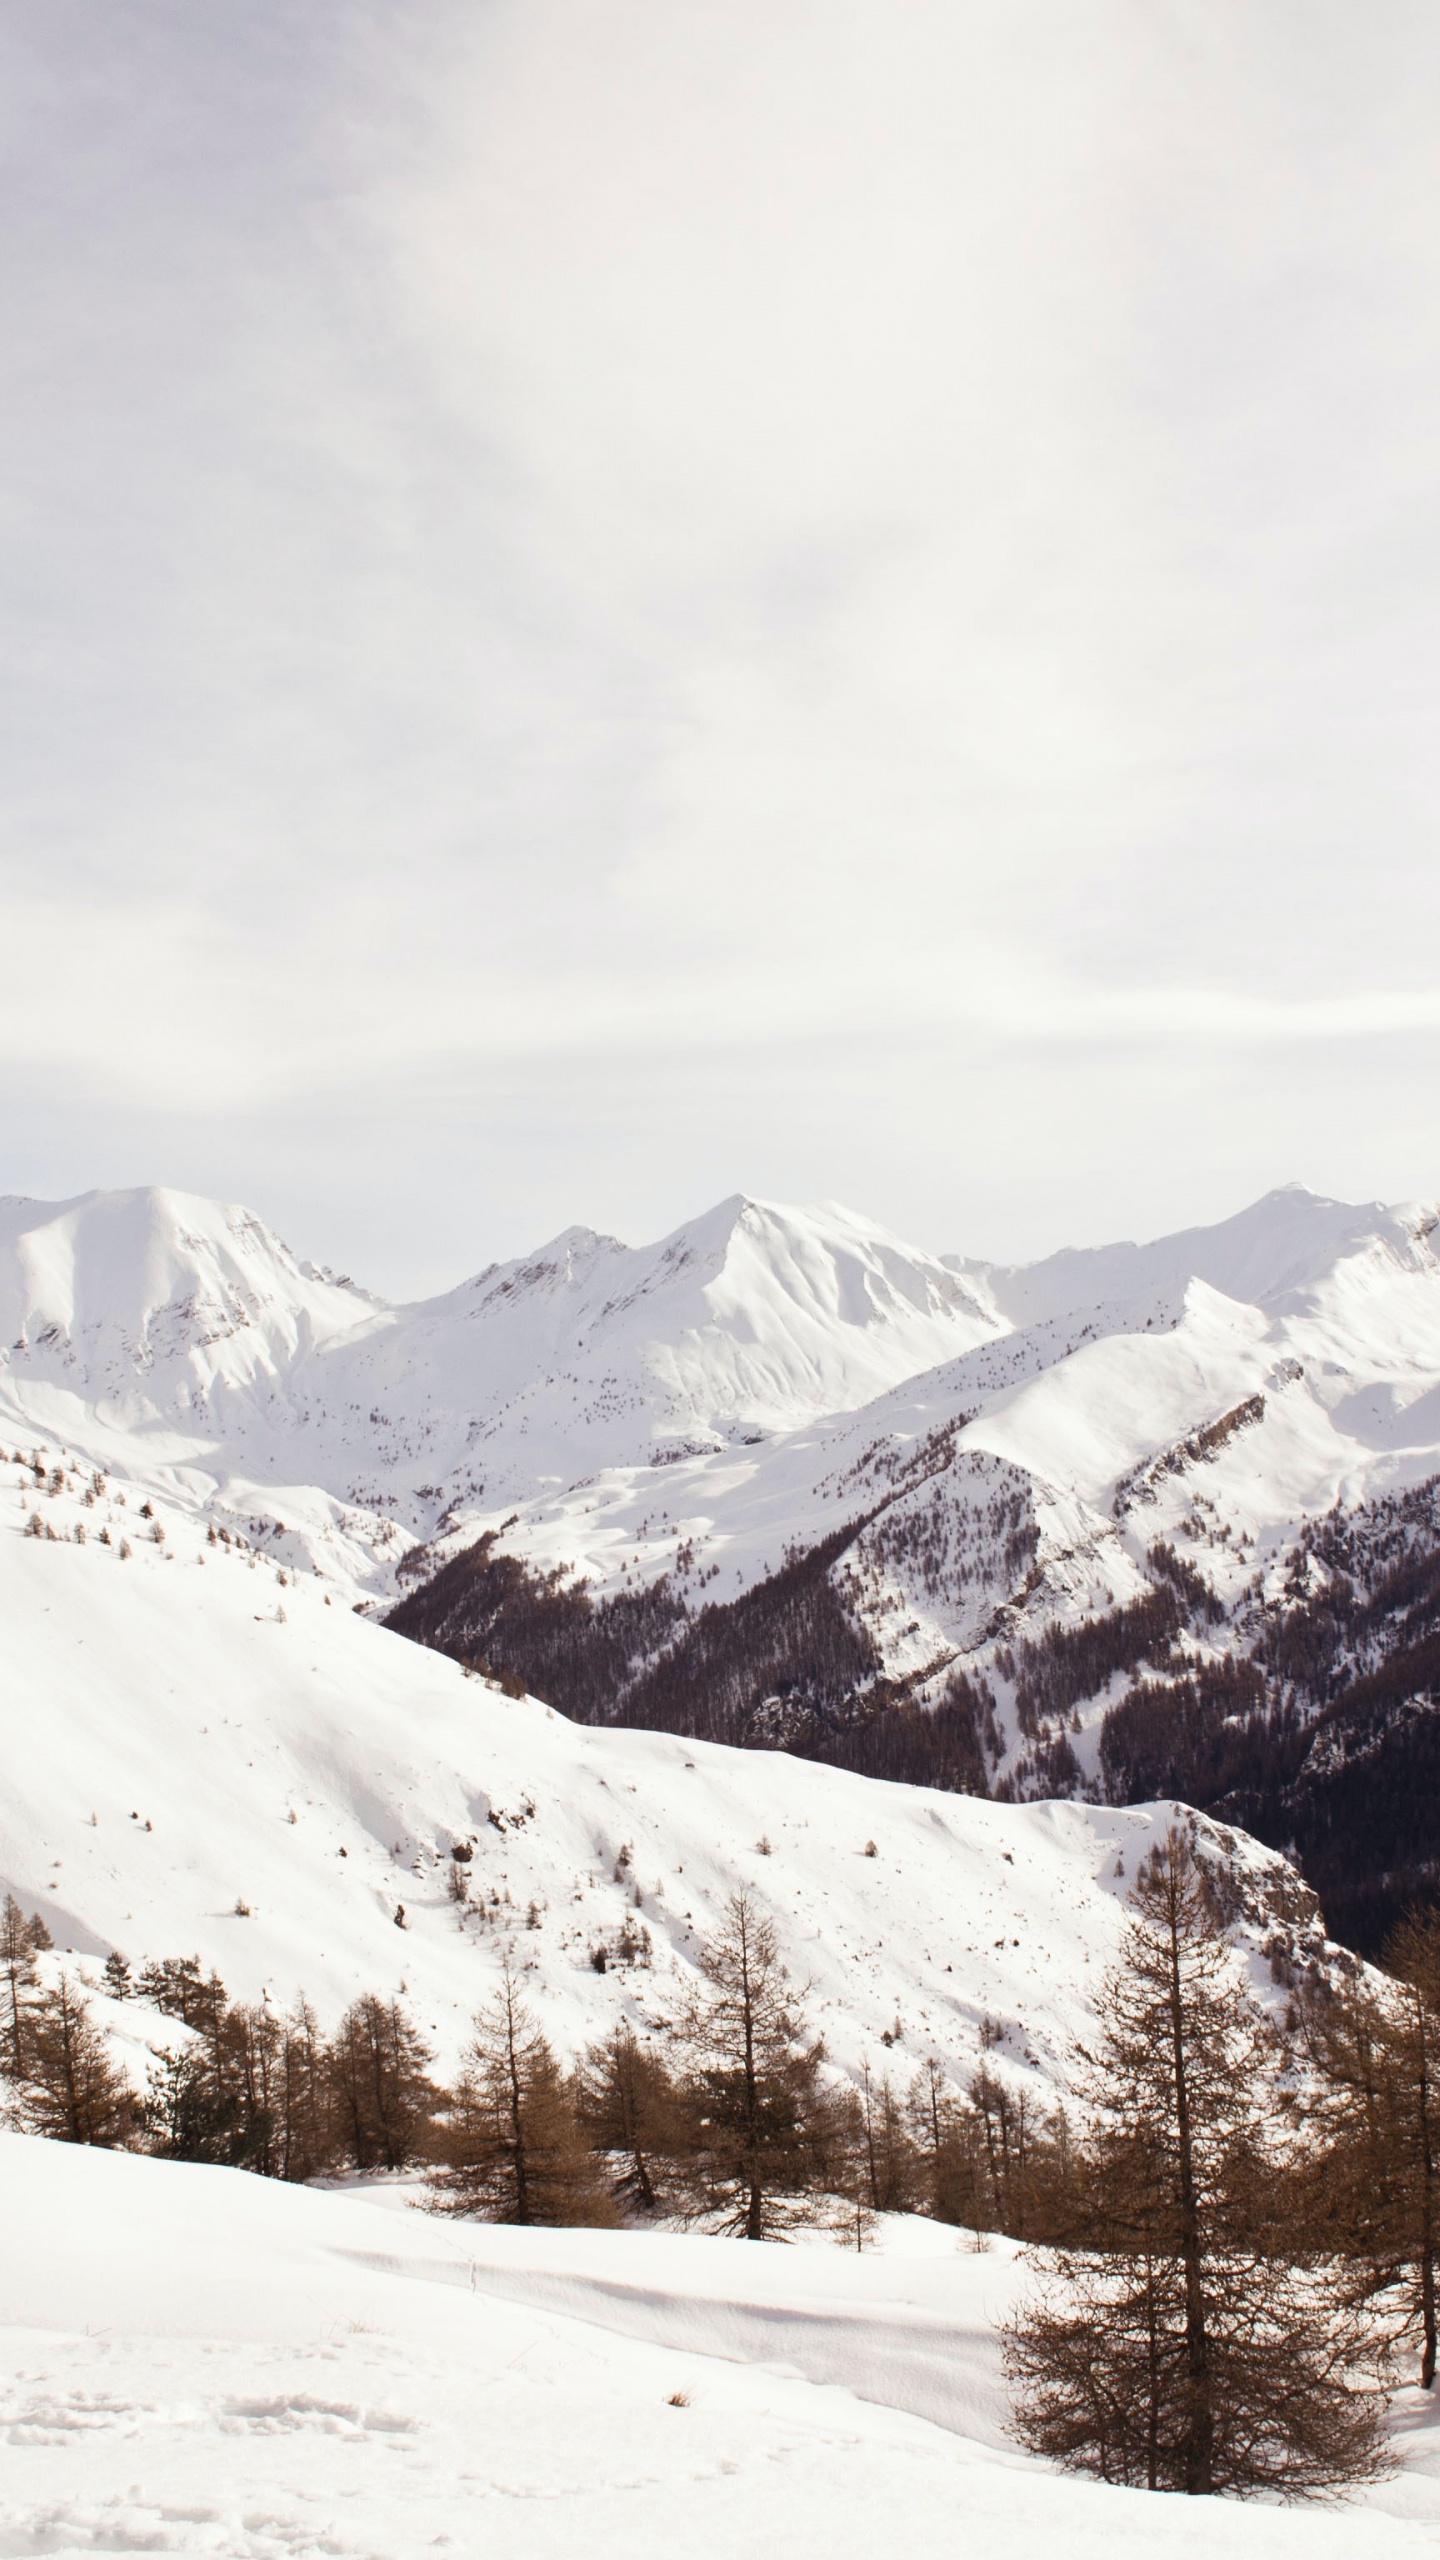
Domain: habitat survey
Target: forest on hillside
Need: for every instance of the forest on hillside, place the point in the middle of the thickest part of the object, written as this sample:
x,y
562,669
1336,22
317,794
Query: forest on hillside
x,y
1310,1720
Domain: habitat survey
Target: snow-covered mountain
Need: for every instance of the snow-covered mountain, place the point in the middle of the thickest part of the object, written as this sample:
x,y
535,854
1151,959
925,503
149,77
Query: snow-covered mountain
x,y
171,1333
779,1472
157,1306
1287,1242
1043,1533
175,1337
204,1754
757,1352
1023,1484
745,1322
1074,1549
778,1469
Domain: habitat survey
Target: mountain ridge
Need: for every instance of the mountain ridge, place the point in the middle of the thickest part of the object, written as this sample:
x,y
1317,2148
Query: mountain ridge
x,y
685,1502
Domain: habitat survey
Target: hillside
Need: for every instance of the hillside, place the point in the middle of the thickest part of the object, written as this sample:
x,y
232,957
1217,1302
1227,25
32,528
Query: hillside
x,y
1063,1564
203,1754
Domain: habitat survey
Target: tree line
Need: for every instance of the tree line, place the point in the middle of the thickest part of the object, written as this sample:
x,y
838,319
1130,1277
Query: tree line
x,y
1234,2231
731,2119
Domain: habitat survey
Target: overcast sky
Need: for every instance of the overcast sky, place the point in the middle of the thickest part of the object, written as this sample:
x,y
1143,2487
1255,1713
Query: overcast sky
x,y
611,601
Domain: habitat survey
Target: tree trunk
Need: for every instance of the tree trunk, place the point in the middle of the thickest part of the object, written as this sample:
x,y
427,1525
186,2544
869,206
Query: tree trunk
x,y
1427,2203
1200,2424
755,2208
517,2133
1152,2359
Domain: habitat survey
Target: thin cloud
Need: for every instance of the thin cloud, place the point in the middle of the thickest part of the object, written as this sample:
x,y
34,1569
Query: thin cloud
x,y
572,533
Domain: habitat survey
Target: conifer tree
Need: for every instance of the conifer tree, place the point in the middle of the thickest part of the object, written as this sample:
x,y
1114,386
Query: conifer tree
x,y
216,2098
175,1985
186,2115
382,2097
888,2151
21,1942
254,2042
1181,2349
255,2090
1013,2134
631,2111
1377,2183
767,2137
992,2159
512,2148
952,2178
198,2105
306,2140
69,2089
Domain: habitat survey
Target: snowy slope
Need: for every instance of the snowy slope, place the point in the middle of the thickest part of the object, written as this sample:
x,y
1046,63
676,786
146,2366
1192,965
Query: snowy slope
x,y
158,1306
1330,1315
1285,1243
750,1320
1005,1445
756,1354
1024,1483
200,2362
181,1340
174,1337
183,1732
1342,1338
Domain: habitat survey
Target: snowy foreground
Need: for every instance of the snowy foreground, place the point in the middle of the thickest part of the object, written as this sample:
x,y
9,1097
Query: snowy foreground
x,y
199,2361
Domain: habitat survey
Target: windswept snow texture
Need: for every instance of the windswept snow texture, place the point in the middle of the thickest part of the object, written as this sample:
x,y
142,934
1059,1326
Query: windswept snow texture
x,y
196,2361
201,1757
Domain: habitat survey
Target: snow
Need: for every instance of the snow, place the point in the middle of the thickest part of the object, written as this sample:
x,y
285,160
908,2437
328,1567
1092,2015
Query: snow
x,y
697,1408
164,1716
195,2361
1083,1415
206,1750
116,1286
151,1324
1282,1245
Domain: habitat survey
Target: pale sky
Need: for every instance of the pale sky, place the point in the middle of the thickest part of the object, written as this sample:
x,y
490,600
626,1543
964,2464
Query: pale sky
x,y
611,601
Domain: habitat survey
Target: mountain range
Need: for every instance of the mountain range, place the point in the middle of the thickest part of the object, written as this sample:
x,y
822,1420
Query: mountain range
x,y
1153,1520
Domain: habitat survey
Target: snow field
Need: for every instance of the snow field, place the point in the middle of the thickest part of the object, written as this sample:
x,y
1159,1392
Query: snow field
x,y
195,2361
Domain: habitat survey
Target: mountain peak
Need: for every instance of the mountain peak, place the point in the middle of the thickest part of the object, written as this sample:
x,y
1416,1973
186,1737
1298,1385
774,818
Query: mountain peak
x,y
111,1283
1290,1239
